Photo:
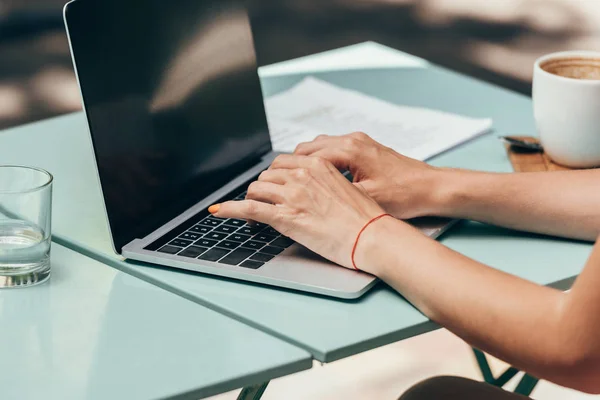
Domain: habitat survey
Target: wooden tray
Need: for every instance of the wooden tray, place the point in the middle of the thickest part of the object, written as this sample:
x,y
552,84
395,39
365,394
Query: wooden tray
x,y
531,161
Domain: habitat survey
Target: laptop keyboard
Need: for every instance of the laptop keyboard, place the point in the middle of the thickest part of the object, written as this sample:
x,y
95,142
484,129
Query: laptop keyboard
x,y
229,241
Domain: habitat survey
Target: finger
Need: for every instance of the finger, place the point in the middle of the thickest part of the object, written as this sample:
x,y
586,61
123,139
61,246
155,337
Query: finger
x,y
321,141
245,209
348,141
362,188
266,192
341,159
278,176
289,161
366,187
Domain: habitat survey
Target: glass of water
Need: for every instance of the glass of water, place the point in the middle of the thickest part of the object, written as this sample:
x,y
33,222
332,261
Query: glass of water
x,y
25,222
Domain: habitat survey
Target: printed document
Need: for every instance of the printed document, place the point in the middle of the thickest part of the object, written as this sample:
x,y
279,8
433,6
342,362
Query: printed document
x,y
314,107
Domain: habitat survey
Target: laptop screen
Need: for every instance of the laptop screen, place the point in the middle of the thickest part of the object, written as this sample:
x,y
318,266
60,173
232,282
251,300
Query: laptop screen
x,y
173,102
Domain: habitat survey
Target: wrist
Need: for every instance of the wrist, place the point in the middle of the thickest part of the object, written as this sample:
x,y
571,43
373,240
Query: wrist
x,y
450,192
431,192
371,255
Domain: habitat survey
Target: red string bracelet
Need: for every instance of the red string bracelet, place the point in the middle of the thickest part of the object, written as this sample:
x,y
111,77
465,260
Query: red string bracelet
x,y
360,233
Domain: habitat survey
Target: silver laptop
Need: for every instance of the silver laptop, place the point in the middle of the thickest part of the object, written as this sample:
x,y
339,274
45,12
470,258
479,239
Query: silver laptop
x,y
177,121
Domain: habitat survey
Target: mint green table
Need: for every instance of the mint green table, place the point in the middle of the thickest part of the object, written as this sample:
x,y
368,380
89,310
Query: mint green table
x,y
329,329
93,332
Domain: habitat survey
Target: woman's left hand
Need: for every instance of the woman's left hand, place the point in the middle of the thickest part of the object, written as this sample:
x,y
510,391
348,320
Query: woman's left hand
x,y
310,201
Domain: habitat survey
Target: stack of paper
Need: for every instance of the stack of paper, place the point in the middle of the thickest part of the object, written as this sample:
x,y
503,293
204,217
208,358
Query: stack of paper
x,y
314,107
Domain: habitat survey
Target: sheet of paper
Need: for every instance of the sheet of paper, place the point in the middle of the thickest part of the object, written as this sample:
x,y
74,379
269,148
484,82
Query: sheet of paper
x,y
315,107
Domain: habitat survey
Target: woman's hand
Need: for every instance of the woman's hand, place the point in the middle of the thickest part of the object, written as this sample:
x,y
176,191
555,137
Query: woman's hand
x,y
309,200
403,186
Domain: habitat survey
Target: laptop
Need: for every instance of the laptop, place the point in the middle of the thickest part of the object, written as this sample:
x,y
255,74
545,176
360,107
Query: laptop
x,y
177,123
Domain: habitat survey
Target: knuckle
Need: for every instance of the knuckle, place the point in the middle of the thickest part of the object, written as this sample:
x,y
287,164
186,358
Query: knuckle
x,y
351,143
250,208
301,174
300,147
359,135
263,175
278,160
253,188
318,163
277,219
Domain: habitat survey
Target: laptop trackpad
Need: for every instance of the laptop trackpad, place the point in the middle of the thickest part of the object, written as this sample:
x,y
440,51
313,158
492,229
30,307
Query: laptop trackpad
x,y
297,263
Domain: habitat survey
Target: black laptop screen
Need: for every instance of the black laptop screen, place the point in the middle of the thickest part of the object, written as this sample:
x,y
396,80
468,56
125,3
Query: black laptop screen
x,y
173,101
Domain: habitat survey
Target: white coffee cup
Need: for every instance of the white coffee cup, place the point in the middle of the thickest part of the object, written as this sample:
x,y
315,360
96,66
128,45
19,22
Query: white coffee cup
x,y
567,109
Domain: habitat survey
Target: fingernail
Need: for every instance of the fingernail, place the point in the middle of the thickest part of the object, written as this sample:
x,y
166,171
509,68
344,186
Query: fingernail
x,y
214,208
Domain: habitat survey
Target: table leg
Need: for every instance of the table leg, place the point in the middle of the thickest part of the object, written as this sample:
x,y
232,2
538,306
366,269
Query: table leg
x,y
525,387
253,392
484,367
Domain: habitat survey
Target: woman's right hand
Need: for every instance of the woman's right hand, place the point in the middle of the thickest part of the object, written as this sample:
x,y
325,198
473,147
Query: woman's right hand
x,y
404,187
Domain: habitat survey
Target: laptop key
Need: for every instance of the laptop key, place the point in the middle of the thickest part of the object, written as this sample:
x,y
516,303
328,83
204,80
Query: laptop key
x,y
216,235
253,244
214,254
262,257
248,230
193,251
225,229
237,256
190,236
252,264
169,249
180,242
282,241
200,229
261,237
238,237
271,231
229,244
210,222
235,222
206,243
272,250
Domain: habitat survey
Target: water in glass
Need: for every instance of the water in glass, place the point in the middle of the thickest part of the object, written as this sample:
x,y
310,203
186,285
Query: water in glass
x,y
25,221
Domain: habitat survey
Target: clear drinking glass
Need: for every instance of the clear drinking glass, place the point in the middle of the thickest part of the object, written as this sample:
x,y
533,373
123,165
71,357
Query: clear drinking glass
x,y
25,222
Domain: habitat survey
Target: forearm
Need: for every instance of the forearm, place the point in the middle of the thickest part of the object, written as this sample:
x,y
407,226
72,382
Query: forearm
x,y
513,319
557,203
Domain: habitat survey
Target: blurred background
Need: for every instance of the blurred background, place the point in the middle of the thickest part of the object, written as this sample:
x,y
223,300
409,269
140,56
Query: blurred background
x,y
494,40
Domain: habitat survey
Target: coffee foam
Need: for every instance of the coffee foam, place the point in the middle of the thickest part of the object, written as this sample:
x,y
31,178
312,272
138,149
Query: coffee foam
x,y
575,68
